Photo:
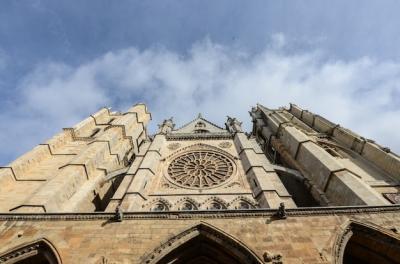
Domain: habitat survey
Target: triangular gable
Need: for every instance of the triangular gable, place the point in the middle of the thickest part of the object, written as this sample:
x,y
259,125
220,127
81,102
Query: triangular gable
x,y
199,125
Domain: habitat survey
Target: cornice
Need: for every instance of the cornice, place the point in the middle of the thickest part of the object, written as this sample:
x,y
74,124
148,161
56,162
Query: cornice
x,y
250,213
192,136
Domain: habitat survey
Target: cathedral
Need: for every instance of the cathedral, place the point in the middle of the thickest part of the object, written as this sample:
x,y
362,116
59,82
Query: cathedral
x,y
296,189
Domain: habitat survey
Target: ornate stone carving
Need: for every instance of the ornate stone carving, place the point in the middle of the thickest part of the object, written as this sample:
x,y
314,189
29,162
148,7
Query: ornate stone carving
x,y
242,202
173,146
167,185
198,136
225,144
166,126
281,213
214,203
186,204
272,258
200,169
158,204
233,125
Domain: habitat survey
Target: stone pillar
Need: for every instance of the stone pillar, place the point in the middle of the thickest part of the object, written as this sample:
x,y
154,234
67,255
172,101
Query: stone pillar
x,y
267,188
122,190
143,175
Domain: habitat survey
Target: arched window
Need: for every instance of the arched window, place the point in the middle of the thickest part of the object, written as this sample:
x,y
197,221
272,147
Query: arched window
x,y
188,206
159,206
244,205
214,205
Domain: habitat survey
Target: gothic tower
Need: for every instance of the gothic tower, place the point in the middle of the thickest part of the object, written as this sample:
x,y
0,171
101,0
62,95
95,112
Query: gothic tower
x,y
296,189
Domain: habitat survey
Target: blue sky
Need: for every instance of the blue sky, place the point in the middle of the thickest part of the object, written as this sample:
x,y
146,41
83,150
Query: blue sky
x,y
61,61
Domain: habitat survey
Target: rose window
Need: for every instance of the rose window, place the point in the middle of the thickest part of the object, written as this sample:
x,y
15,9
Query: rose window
x,y
200,169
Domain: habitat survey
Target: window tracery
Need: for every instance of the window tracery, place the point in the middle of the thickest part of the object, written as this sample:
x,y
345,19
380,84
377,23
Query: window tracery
x,y
159,207
216,206
200,169
244,205
187,206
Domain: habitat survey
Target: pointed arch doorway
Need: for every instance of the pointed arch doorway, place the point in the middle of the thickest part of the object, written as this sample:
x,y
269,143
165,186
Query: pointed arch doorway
x,y
37,252
362,243
200,244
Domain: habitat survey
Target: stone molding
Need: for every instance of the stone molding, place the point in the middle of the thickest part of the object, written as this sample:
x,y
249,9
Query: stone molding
x,y
18,179
199,146
192,136
74,136
201,214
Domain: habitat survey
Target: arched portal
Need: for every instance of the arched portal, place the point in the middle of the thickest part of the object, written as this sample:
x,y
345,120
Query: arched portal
x,y
202,244
37,252
367,243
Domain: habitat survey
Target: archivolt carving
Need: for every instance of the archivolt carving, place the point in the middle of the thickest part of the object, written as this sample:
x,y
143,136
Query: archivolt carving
x,y
186,203
24,252
232,246
242,202
225,144
173,146
214,203
200,146
158,204
368,229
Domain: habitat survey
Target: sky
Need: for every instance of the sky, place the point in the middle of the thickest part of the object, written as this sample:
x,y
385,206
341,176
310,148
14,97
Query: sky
x,y
61,61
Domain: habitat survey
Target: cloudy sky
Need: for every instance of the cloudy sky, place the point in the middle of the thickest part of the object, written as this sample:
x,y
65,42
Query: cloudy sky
x,y
60,61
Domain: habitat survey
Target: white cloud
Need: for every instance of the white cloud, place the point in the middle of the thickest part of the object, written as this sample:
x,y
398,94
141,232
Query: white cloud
x,y
363,94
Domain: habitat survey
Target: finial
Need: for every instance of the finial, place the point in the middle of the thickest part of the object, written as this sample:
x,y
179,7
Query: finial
x,y
199,115
166,126
233,125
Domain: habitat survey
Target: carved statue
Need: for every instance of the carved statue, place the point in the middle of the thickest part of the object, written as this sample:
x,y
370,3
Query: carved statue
x,y
233,125
281,214
119,214
166,126
253,113
272,258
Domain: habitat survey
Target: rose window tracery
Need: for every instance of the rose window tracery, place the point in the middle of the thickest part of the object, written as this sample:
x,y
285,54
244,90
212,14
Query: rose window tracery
x,y
200,169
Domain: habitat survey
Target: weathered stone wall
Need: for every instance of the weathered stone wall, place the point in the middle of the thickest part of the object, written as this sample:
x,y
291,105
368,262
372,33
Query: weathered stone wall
x,y
66,172
308,238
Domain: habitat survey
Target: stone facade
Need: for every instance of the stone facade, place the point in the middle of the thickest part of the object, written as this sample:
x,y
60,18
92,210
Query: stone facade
x,y
298,189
